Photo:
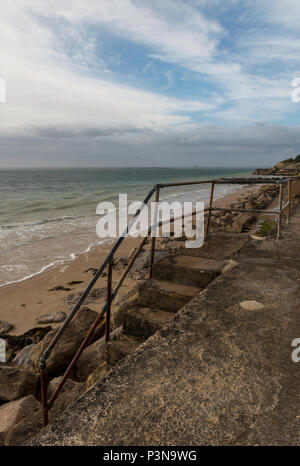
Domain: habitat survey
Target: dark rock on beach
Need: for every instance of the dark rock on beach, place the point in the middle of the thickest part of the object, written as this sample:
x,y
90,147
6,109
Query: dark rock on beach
x,y
14,343
60,288
5,326
94,295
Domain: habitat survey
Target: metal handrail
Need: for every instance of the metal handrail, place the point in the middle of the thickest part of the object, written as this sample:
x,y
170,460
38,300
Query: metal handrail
x,y
111,294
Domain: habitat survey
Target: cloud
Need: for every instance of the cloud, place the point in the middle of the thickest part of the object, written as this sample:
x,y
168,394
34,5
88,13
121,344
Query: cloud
x,y
61,91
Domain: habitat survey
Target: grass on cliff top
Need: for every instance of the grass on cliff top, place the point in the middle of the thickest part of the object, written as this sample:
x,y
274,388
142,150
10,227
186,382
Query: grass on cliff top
x,y
292,160
266,227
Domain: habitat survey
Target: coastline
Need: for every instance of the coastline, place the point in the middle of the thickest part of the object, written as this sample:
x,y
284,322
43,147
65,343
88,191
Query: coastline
x,y
26,300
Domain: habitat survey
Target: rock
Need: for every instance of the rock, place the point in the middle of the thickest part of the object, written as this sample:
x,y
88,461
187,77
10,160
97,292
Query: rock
x,y
69,342
121,262
27,428
91,269
16,382
68,394
59,288
14,343
94,295
12,413
74,282
258,238
143,259
129,300
243,221
56,317
93,356
68,385
5,326
252,305
23,358
95,376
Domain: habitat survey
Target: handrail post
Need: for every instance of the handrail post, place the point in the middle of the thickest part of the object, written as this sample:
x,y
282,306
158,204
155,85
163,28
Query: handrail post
x,y
108,299
44,395
212,187
279,212
153,238
289,201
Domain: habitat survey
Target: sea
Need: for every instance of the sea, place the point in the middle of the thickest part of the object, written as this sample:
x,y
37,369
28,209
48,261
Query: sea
x,y
48,216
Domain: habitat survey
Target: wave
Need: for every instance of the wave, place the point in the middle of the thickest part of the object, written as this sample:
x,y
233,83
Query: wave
x,y
71,257
10,226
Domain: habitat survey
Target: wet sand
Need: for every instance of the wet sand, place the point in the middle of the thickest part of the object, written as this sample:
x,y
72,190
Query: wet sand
x,y
23,302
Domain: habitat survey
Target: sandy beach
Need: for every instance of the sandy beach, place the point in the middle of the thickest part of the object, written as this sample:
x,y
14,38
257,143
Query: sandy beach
x,y
23,302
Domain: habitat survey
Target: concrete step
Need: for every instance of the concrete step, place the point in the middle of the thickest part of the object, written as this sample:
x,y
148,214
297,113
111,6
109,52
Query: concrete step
x,y
164,295
119,348
143,322
220,246
188,270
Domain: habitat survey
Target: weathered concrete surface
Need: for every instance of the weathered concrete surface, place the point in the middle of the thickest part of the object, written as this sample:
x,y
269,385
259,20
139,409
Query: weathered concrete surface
x,y
217,374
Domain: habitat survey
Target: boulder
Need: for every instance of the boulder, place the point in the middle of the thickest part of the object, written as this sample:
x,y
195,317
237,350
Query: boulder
x,y
94,295
68,394
69,342
24,430
23,358
129,301
12,413
56,317
14,343
16,383
5,326
93,356
243,221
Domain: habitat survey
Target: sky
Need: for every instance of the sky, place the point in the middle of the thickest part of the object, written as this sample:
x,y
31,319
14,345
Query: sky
x,y
149,82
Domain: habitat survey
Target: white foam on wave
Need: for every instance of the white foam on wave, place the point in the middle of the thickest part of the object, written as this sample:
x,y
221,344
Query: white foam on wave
x,y
71,257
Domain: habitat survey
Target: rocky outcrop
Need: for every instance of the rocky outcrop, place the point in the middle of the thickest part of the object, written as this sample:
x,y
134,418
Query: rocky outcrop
x,y
16,382
288,167
68,344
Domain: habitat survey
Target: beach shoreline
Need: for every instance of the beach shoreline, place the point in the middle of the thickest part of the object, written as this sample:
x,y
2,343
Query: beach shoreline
x,y
23,302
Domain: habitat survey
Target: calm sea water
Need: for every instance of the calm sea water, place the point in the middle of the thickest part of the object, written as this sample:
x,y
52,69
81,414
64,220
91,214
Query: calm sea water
x,y
48,216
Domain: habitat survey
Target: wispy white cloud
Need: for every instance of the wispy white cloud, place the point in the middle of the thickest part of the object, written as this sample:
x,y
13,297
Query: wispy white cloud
x,y
59,85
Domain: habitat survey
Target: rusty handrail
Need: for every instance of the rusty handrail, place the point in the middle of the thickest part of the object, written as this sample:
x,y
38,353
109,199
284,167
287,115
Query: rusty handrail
x,y
109,261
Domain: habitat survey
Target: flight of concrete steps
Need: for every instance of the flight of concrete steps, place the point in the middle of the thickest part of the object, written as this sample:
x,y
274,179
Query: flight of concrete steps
x,y
178,277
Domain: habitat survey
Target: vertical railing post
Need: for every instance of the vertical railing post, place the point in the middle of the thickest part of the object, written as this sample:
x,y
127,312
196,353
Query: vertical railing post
x,y
108,299
44,395
279,212
212,187
289,201
153,237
